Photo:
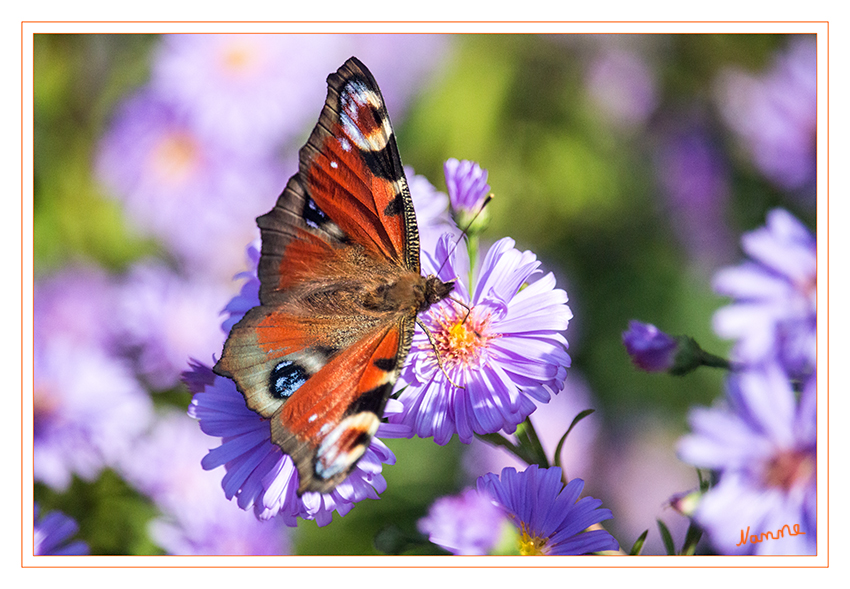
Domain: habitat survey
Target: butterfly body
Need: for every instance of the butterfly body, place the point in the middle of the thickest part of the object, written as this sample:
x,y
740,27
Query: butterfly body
x,y
340,289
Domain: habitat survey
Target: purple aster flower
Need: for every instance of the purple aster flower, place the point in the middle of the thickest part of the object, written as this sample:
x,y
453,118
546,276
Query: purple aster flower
x,y
775,114
774,312
199,197
52,534
649,348
258,474
503,348
253,92
469,523
88,411
164,466
467,185
622,86
550,517
163,320
763,445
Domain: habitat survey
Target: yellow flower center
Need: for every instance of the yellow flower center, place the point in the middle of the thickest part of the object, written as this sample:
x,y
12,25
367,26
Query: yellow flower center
x,y
240,59
461,335
531,545
175,158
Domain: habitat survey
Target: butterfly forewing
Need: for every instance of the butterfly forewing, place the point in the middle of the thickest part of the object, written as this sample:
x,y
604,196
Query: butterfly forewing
x,y
339,289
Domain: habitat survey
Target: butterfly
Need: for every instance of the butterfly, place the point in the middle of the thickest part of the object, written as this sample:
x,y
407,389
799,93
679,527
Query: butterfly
x,y
340,289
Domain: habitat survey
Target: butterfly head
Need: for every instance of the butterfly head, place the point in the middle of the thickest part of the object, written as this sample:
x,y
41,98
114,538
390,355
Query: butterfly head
x,y
435,291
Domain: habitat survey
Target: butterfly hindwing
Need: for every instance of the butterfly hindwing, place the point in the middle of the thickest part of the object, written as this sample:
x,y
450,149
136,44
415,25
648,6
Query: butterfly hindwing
x,y
329,422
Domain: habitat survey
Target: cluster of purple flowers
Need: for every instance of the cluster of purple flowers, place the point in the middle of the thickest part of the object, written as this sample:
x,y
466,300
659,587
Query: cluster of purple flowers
x,y
774,115
761,438
193,157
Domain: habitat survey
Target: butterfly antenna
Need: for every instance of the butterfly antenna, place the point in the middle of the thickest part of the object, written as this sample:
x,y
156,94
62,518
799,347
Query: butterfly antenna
x,y
465,230
437,354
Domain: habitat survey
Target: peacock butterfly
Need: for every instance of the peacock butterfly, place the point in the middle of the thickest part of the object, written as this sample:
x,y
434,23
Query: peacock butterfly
x,y
340,289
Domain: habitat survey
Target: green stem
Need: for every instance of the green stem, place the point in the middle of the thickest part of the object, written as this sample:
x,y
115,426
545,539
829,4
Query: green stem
x,y
472,250
500,441
713,361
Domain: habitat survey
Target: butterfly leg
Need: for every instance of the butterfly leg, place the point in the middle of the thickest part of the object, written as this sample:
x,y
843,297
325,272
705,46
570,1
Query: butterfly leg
x,y
437,353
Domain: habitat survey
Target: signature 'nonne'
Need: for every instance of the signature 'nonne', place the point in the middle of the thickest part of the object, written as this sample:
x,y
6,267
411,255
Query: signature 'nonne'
x,y
780,533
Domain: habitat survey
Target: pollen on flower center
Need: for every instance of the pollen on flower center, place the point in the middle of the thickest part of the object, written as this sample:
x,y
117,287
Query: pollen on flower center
x,y
531,545
461,336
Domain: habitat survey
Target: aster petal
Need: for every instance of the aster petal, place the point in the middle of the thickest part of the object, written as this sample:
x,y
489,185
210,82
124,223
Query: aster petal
x,y
750,282
719,439
584,543
796,259
769,402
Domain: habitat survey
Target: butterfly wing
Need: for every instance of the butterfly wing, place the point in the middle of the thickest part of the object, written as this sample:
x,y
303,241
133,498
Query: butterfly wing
x,y
310,357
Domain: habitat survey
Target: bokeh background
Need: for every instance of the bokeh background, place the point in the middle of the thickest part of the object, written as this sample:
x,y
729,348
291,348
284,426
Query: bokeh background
x,y
630,164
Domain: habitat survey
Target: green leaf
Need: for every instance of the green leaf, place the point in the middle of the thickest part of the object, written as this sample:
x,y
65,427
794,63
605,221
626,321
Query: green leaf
x,y
704,484
393,540
692,537
667,538
576,419
638,545
527,438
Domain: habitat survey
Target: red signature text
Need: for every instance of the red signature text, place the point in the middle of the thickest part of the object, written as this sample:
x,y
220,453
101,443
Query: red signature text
x,y
780,533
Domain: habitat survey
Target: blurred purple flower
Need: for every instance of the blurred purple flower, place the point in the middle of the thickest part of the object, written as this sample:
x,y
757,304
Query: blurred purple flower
x,y
637,469
507,351
163,320
257,93
252,92
88,411
649,348
194,520
199,197
76,303
258,474
622,86
774,312
468,523
763,444
775,113
88,407
52,534
695,179
550,517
